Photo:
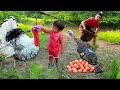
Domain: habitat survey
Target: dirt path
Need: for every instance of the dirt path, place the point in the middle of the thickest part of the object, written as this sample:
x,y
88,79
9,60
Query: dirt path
x,y
105,53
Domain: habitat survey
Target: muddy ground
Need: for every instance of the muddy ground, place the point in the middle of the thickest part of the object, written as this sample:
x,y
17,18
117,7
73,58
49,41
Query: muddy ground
x,y
105,52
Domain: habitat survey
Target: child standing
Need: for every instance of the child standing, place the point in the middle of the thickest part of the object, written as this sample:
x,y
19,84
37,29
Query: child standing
x,y
55,41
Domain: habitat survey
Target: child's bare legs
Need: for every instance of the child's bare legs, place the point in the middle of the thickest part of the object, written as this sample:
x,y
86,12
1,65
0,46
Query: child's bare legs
x,y
51,55
94,41
50,61
57,62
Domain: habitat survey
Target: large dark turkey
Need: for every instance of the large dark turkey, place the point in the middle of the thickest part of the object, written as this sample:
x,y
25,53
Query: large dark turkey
x,y
14,42
84,49
87,53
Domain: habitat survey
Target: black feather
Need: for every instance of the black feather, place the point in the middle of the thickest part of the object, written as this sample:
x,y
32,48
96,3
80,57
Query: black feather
x,y
14,33
86,52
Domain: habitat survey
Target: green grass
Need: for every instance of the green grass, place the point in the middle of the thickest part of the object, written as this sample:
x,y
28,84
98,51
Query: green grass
x,y
34,70
94,47
110,36
1,58
112,70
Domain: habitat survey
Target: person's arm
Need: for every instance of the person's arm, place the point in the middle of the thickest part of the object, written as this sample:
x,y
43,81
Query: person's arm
x,y
44,30
97,28
96,31
62,44
94,38
83,25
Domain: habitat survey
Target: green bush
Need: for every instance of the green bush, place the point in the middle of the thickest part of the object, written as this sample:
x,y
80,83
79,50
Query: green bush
x,y
110,36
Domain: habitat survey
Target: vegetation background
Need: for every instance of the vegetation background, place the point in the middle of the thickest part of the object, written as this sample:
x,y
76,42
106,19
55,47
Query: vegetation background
x,y
110,25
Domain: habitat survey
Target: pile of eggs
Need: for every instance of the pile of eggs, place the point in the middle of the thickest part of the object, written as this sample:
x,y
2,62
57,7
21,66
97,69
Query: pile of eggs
x,y
80,66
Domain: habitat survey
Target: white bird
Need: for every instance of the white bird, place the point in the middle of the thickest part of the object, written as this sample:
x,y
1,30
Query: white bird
x,y
14,42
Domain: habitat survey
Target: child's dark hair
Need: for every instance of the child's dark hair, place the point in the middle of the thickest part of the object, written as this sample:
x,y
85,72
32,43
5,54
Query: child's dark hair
x,y
59,24
100,13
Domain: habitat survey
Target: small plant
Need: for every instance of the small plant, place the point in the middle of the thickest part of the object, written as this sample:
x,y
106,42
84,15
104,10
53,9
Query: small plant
x,y
51,73
34,71
21,76
113,70
94,47
10,74
1,73
1,58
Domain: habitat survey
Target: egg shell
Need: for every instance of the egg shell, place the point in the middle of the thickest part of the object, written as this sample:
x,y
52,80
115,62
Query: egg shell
x,y
80,70
70,70
75,71
68,66
88,68
91,70
84,70
70,63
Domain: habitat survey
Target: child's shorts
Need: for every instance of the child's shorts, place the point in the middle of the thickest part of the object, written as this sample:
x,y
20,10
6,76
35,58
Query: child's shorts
x,y
53,53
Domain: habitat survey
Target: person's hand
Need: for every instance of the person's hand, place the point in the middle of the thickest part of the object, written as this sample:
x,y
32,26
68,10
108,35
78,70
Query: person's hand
x,y
40,27
95,34
80,29
84,28
62,52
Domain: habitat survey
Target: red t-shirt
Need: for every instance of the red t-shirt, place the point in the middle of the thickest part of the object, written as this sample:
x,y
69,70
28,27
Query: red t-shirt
x,y
91,22
54,41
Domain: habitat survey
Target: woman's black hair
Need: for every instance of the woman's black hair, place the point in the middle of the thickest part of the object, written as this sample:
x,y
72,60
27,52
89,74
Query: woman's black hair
x,y
100,13
60,25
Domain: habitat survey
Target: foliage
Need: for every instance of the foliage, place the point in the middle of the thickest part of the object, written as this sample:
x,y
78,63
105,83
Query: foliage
x,y
8,74
28,18
113,70
51,73
110,36
35,71
94,47
42,40
1,58
17,14
32,21
110,18
25,28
